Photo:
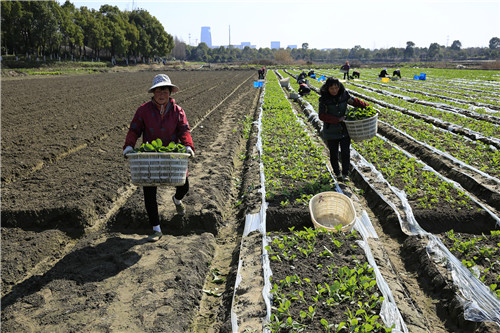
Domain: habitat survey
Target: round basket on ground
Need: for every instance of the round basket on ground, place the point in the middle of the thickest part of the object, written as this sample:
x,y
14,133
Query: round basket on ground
x,y
158,169
285,82
330,209
364,129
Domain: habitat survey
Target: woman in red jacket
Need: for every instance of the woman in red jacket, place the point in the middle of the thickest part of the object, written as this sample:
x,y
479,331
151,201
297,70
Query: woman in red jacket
x,y
160,118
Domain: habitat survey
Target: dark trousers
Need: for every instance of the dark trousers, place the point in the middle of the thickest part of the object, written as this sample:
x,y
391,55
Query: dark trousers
x,y
345,155
346,75
152,204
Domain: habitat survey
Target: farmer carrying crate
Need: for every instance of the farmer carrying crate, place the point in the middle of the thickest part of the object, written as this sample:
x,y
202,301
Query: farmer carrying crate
x,y
160,118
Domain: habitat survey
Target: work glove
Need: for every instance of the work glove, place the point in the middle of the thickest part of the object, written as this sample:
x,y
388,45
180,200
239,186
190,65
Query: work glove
x,y
359,103
190,151
127,150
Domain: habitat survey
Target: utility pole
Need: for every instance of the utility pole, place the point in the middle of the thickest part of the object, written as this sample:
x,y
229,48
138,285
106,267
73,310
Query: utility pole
x,y
189,39
229,35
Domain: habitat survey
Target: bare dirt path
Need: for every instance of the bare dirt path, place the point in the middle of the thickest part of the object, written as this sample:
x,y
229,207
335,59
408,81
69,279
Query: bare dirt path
x,y
69,211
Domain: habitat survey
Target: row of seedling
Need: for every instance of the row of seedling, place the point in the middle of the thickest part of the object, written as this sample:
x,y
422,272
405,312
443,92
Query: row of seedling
x,y
327,297
294,165
480,254
485,158
475,103
418,91
479,126
428,190
343,297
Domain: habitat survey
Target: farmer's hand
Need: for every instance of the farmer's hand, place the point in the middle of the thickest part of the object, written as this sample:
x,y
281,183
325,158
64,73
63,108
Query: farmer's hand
x,y
190,151
341,119
127,150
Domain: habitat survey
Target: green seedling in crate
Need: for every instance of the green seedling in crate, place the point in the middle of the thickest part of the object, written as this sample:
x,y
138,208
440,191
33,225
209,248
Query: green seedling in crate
x,y
360,114
157,146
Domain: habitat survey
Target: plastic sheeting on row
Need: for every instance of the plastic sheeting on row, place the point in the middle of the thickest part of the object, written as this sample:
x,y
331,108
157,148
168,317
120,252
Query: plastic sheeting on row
x,y
487,181
389,312
445,179
480,304
489,108
438,106
435,121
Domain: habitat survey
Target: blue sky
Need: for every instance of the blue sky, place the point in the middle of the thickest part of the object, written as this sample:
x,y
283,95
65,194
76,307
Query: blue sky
x,y
324,23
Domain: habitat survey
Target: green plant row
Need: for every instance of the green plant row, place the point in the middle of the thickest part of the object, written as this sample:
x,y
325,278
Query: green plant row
x,y
348,290
473,94
295,170
484,157
421,186
480,254
294,166
406,173
423,94
482,127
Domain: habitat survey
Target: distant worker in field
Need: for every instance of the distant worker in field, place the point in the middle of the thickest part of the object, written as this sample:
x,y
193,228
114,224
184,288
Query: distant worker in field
x,y
262,71
383,73
160,118
356,74
311,72
397,73
345,69
304,89
302,76
332,111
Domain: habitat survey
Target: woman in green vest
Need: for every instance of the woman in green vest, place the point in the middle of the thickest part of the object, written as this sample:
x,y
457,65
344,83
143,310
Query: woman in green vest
x,y
333,102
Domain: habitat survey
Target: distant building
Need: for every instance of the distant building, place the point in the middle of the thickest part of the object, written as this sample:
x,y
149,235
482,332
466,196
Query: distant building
x,y
275,45
206,36
241,46
291,47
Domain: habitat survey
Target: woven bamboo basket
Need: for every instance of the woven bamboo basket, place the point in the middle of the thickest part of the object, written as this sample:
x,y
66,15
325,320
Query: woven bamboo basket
x,y
330,209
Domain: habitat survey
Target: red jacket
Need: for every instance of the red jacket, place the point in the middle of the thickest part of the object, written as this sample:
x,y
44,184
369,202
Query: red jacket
x,y
171,126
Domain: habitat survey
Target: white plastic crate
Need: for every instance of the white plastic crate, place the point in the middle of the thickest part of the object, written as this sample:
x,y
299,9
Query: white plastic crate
x,y
158,169
362,129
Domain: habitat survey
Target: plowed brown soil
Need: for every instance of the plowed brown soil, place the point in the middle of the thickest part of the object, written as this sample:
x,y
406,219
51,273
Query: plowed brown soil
x,y
74,255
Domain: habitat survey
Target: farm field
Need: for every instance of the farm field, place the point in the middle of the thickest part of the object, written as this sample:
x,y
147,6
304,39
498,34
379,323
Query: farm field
x,y
74,256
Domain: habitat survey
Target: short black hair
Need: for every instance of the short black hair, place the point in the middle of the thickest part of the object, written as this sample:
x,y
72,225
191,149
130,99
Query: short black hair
x,y
331,81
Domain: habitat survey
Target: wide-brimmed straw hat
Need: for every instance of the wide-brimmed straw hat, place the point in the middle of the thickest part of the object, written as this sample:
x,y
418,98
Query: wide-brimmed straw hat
x,y
162,80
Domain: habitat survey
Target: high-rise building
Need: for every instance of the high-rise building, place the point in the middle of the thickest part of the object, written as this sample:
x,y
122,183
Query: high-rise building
x,y
206,36
275,45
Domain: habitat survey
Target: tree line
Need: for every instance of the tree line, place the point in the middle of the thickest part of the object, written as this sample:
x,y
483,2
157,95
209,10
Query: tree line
x,y
45,28
434,52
